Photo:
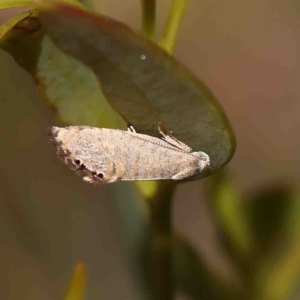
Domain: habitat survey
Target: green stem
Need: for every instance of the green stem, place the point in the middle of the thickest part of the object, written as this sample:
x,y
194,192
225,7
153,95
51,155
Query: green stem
x,y
148,18
162,256
170,33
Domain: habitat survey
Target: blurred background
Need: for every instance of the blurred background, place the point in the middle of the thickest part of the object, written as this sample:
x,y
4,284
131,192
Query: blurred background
x,y
248,54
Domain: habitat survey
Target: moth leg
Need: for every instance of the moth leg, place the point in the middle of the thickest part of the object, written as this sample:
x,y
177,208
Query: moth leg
x,y
130,128
169,138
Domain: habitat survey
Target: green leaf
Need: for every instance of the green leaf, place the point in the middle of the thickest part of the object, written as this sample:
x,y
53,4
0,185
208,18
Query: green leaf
x,y
278,276
64,82
231,218
275,216
16,3
269,211
77,284
33,3
142,82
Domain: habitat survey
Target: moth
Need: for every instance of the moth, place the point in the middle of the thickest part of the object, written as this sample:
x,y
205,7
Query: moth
x,y
103,155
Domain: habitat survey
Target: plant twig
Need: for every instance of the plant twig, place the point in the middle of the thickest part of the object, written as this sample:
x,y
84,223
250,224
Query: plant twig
x,y
148,18
162,256
170,33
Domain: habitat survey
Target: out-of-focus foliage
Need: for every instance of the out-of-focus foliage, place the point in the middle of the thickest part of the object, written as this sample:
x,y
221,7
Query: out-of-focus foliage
x,y
15,3
77,285
105,63
261,235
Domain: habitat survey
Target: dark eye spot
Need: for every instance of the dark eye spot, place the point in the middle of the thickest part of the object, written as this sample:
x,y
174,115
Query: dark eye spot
x,y
77,162
99,175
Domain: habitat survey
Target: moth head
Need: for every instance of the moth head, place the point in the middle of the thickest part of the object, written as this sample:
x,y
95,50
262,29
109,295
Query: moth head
x,y
204,160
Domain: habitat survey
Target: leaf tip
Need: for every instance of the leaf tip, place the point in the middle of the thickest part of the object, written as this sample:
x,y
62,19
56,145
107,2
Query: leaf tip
x,y
77,284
